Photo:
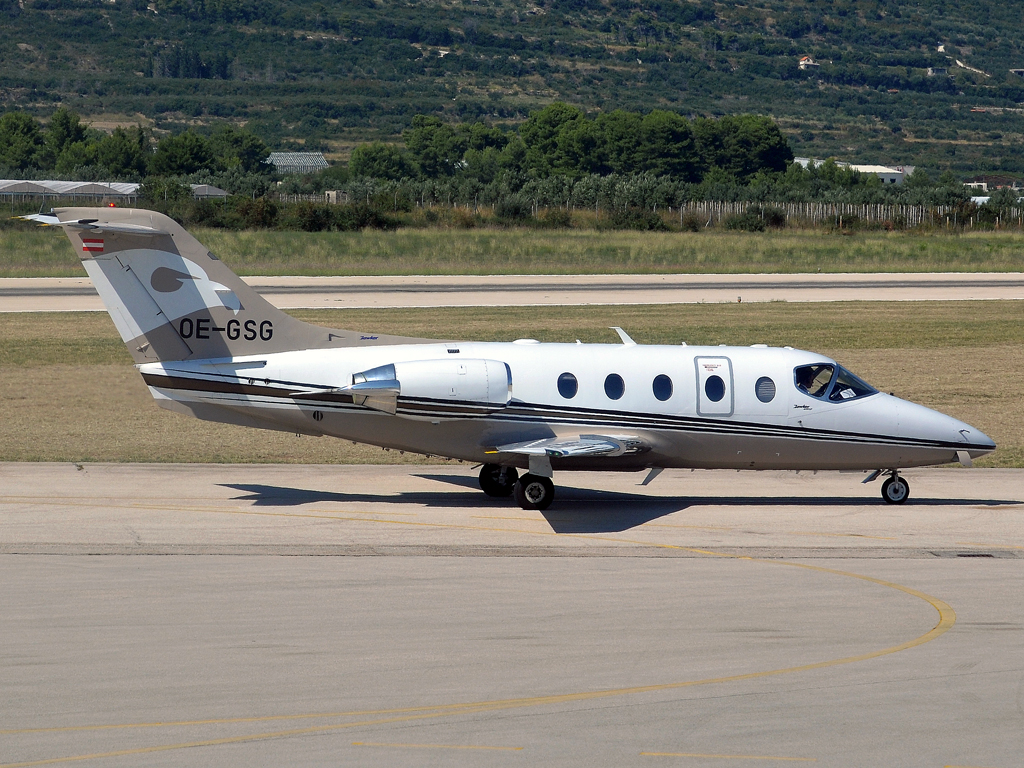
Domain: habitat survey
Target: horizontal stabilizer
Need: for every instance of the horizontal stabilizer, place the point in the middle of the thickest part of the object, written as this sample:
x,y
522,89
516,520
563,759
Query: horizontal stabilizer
x,y
584,445
92,225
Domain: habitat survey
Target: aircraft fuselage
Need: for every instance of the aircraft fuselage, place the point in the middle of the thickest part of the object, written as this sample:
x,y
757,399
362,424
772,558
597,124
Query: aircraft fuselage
x,y
680,424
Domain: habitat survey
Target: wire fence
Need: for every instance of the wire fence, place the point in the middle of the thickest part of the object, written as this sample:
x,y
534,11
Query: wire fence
x,y
711,213
714,212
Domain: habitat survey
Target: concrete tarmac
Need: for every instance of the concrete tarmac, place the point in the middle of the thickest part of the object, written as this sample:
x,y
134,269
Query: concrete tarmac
x,y
179,615
77,294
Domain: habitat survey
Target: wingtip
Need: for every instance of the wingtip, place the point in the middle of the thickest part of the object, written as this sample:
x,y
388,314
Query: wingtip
x,y
43,219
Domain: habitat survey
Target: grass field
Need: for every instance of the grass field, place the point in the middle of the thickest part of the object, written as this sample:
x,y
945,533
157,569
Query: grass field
x,y
40,252
68,391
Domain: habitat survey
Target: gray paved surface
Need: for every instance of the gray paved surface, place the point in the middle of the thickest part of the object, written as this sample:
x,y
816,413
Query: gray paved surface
x,y
829,628
65,294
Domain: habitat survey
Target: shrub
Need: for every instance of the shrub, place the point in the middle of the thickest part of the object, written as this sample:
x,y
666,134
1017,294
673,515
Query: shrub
x,y
637,219
852,221
462,218
746,222
260,213
692,223
556,218
202,213
774,217
313,218
514,208
349,218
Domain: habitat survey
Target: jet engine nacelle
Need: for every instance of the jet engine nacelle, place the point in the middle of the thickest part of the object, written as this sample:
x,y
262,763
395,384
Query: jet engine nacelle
x,y
473,381
485,384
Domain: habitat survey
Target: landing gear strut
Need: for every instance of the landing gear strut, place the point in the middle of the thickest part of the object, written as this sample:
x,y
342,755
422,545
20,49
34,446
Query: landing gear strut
x,y
534,492
498,481
896,489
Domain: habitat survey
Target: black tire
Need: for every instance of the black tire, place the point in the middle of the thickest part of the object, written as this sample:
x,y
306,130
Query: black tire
x,y
534,492
498,481
895,490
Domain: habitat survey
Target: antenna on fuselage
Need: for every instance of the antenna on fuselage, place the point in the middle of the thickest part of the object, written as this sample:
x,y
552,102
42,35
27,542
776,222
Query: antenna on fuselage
x,y
623,335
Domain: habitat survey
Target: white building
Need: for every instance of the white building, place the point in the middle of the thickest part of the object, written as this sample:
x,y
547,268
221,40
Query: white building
x,y
886,174
298,162
88,191
91,191
894,175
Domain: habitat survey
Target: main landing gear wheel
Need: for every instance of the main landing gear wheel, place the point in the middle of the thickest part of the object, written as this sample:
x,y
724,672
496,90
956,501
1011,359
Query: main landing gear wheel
x,y
498,481
534,492
895,490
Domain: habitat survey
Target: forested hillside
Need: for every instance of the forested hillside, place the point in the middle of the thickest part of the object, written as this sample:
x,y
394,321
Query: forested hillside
x,y
328,75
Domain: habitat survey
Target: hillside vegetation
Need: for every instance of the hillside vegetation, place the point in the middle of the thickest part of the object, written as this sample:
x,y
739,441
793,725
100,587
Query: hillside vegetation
x,y
329,74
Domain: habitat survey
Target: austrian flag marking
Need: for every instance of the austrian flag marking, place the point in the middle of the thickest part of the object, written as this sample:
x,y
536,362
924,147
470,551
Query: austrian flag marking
x,y
91,244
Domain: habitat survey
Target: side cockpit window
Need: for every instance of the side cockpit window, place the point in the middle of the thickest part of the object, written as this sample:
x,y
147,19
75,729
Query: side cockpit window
x,y
825,380
848,387
814,379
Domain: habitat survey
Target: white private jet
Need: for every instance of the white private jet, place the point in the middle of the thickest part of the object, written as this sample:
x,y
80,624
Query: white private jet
x,y
209,346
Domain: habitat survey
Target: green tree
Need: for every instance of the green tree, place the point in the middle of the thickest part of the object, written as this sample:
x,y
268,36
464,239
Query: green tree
x,y
157,189
667,146
436,147
841,176
480,136
121,155
65,128
513,157
620,141
742,145
381,161
183,154
76,155
241,149
482,164
919,179
579,148
22,147
949,179
540,135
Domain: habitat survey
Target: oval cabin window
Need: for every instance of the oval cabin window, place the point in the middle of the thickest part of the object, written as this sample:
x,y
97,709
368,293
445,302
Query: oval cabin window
x,y
765,389
567,386
662,387
714,388
614,386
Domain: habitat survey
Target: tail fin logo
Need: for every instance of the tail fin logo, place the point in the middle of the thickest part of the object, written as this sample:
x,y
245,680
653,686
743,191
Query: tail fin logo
x,y
184,286
167,280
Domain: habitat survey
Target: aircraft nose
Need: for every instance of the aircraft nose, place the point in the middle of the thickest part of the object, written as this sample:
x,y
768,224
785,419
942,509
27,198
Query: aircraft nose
x,y
976,439
925,424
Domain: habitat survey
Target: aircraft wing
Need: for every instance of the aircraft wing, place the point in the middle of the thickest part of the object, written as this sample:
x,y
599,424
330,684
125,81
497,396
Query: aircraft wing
x,y
583,445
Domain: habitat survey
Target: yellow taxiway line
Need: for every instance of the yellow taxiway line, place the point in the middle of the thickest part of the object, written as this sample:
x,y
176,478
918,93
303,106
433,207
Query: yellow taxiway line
x,y
432,746
730,757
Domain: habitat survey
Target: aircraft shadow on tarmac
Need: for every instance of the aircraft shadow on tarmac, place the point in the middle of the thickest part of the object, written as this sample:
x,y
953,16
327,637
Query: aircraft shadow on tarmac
x,y
577,510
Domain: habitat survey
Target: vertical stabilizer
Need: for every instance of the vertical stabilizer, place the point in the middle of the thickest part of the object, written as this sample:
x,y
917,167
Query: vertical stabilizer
x,y
171,299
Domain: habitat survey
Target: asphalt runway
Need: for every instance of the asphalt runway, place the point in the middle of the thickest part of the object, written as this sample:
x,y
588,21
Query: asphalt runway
x,y
224,615
77,294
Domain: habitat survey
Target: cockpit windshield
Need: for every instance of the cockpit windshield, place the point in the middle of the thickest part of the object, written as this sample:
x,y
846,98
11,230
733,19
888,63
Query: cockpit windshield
x,y
823,380
814,379
848,386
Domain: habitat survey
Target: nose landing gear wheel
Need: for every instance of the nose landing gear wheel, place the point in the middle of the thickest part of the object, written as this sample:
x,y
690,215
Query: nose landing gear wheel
x,y
498,481
534,492
895,490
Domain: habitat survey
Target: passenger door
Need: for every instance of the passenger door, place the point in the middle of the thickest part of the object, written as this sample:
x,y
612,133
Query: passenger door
x,y
714,386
